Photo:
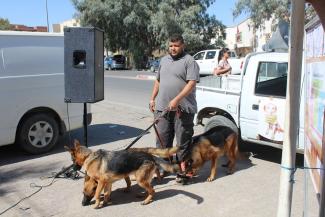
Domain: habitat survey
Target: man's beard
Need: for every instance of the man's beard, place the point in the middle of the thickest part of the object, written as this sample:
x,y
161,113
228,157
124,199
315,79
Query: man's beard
x,y
181,54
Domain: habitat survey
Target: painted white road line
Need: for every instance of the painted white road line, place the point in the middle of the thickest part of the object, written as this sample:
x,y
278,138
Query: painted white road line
x,y
137,77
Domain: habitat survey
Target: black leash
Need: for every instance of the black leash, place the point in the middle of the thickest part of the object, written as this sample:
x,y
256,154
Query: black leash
x,y
146,130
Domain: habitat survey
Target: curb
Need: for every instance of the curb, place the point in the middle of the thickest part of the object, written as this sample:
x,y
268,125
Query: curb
x,y
146,77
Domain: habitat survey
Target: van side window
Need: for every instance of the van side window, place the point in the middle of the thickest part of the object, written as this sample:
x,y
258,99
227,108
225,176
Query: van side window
x,y
210,55
34,58
271,79
199,56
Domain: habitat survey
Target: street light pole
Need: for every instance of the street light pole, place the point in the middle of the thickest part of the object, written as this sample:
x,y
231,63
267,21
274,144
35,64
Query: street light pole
x,y
47,17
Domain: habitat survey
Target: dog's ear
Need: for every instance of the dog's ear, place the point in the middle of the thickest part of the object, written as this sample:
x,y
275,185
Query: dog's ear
x,y
71,150
76,143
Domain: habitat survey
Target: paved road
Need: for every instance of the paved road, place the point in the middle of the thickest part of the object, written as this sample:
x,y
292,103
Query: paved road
x,y
252,191
125,88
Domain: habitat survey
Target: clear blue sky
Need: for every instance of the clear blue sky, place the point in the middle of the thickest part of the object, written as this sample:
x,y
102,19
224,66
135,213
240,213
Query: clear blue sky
x,y
33,12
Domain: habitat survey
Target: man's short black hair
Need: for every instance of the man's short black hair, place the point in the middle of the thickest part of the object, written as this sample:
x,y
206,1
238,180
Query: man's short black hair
x,y
176,38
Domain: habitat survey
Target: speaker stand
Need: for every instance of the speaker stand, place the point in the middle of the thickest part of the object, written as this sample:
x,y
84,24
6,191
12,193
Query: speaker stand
x,y
85,125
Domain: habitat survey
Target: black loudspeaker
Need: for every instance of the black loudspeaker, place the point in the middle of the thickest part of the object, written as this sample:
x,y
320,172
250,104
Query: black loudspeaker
x,y
83,64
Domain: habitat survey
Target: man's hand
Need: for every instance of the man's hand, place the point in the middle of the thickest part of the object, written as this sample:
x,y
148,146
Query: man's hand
x,y
173,105
152,105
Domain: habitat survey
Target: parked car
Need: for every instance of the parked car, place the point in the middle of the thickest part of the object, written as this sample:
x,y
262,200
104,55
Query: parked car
x,y
207,60
115,62
33,112
154,65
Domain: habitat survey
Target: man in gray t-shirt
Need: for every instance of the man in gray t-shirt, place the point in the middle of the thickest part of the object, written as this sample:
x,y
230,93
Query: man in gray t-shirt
x,y
174,90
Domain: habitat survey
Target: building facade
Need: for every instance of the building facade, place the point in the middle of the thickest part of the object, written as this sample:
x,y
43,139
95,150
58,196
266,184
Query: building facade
x,y
67,23
19,27
244,38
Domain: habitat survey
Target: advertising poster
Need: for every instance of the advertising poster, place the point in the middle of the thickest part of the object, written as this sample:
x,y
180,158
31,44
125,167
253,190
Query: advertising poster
x,y
271,116
315,102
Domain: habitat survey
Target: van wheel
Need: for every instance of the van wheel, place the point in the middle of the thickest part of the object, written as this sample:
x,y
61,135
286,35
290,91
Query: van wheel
x,y
38,133
220,120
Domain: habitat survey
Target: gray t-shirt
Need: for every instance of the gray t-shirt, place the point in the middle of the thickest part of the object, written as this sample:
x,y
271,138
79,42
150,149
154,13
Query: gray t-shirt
x,y
173,76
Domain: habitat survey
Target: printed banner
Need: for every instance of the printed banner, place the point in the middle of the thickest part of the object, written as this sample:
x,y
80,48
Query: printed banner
x,y
315,102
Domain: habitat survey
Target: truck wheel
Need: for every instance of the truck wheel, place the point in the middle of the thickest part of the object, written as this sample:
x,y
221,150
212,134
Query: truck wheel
x,y
220,120
38,133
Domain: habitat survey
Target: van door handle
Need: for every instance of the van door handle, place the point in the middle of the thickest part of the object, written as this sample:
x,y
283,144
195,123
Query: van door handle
x,y
255,107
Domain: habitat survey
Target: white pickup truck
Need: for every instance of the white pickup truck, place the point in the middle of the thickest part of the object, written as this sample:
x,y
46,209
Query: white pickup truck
x,y
252,103
207,60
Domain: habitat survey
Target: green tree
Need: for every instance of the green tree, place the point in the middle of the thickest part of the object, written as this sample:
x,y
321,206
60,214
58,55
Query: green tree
x,y
125,23
142,26
262,10
188,18
4,24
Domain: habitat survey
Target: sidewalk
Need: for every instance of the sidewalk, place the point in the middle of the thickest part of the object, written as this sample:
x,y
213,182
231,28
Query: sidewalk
x,y
252,191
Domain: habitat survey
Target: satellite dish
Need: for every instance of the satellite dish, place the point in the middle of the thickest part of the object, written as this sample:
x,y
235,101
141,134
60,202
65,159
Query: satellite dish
x,y
280,39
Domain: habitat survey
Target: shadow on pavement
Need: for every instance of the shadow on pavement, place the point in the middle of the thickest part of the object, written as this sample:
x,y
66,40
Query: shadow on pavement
x,y
268,153
97,134
118,196
26,172
204,172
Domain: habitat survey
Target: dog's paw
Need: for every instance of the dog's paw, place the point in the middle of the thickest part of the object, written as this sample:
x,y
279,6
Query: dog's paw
x,y
210,179
106,203
96,206
146,202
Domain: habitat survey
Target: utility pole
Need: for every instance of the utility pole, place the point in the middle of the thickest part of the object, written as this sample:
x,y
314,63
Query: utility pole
x,y
47,17
291,126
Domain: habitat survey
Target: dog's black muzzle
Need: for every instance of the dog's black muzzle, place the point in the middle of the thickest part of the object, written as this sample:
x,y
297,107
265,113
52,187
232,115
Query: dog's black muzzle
x,y
86,200
76,167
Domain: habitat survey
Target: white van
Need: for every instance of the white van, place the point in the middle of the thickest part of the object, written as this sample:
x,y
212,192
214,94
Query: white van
x,y
32,109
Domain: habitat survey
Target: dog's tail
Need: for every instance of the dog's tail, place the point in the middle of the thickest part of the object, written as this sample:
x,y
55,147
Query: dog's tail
x,y
166,166
160,152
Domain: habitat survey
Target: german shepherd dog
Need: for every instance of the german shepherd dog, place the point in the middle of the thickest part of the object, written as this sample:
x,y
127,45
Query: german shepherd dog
x,y
211,145
105,167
